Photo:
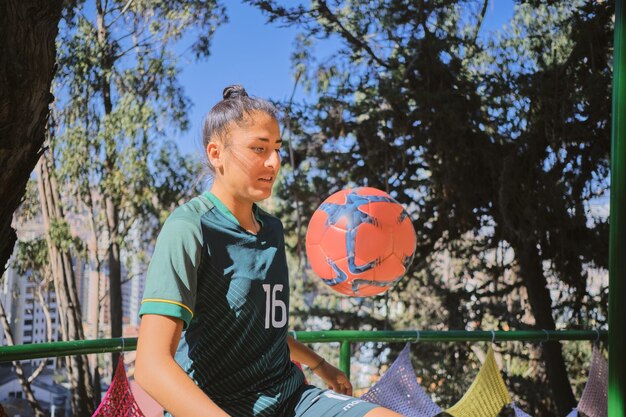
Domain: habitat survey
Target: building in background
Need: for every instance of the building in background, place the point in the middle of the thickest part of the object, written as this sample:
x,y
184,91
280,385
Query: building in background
x,y
27,317
19,294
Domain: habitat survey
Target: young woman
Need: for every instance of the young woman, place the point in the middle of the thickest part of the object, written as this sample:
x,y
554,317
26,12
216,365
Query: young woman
x,y
213,339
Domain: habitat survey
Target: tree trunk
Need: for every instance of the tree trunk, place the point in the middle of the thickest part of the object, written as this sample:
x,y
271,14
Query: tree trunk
x,y
540,301
94,255
24,382
112,209
48,318
70,317
28,29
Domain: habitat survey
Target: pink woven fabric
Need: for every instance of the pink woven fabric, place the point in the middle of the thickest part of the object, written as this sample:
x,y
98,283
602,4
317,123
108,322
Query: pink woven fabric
x,y
119,400
594,399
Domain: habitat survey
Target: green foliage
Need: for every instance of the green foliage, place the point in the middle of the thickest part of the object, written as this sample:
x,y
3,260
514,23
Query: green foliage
x,y
31,256
30,206
62,238
120,101
497,146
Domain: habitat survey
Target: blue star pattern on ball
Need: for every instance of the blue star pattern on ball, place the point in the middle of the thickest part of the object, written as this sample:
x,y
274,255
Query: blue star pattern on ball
x,y
355,217
360,241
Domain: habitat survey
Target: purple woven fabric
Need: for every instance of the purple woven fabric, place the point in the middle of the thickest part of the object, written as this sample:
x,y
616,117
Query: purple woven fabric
x,y
399,391
594,399
518,411
119,400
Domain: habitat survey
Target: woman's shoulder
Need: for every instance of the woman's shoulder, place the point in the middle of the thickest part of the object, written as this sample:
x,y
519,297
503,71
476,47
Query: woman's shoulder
x,y
183,225
191,211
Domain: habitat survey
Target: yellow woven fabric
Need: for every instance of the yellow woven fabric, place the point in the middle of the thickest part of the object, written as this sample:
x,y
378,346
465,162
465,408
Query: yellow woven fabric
x,y
487,394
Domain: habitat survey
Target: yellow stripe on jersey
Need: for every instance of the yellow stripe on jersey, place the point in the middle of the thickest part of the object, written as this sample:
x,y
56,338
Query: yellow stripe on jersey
x,y
158,300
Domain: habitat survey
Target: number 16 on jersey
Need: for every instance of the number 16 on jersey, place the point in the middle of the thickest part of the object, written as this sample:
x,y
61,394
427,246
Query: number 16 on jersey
x,y
274,308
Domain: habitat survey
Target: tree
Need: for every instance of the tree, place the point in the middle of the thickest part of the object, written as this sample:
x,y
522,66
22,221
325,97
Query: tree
x,y
497,148
31,262
118,77
24,381
27,33
155,26
557,149
59,243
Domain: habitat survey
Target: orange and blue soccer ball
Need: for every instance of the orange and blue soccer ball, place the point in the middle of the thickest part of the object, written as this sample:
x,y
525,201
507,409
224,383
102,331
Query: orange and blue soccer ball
x,y
360,241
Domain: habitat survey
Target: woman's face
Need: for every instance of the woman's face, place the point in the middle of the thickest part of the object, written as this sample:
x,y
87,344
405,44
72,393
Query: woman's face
x,y
248,163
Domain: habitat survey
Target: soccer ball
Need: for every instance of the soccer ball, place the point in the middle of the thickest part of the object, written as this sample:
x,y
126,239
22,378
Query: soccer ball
x,y
360,241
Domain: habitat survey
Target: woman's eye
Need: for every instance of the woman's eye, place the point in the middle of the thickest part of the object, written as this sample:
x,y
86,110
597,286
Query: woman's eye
x,y
257,149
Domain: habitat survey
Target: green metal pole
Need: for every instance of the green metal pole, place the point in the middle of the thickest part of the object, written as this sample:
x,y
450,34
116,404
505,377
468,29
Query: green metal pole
x,y
75,347
617,238
396,336
345,337
344,357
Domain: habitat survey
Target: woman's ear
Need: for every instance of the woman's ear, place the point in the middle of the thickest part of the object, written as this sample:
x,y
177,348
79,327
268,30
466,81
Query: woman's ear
x,y
214,154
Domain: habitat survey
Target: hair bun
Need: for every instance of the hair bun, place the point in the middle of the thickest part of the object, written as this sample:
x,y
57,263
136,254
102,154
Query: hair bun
x,y
234,91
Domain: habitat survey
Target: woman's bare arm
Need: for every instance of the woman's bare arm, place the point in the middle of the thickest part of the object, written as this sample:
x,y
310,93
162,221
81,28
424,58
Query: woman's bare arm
x,y
159,375
333,377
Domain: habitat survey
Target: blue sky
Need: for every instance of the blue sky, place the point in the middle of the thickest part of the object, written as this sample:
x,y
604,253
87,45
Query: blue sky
x,y
255,54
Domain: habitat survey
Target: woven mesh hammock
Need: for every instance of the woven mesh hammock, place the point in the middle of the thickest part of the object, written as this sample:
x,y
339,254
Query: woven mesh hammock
x,y
518,411
119,400
487,394
399,391
594,400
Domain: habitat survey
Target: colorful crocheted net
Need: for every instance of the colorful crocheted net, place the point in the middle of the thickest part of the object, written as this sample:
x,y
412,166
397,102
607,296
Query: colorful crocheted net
x,y
487,394
399,391
119,400
594,401
518,411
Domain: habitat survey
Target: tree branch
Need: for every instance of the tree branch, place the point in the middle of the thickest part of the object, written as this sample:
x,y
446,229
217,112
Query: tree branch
x,y
126,6
480,21
325,12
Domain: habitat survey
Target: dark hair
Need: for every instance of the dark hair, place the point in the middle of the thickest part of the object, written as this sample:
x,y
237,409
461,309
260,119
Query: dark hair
x,y
235,107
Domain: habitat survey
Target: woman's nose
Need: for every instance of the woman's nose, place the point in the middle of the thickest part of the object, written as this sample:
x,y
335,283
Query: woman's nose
x,y
273,160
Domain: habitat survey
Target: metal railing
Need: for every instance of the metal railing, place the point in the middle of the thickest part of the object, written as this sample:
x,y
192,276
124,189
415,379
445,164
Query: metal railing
x,y
344,337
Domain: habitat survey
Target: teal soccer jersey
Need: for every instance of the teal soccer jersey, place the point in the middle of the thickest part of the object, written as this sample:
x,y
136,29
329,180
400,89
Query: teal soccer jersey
x,y
230,287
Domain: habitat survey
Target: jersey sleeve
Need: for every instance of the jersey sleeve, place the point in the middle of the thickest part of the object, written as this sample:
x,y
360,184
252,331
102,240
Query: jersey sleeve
x,y
170,288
